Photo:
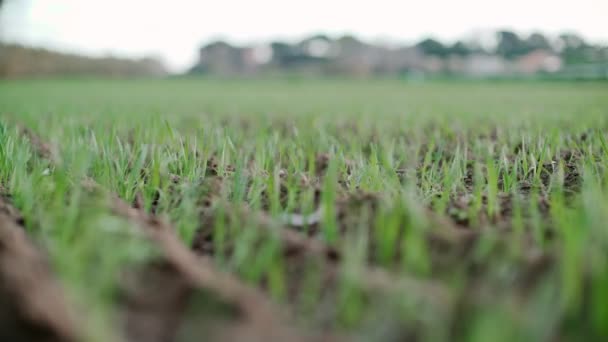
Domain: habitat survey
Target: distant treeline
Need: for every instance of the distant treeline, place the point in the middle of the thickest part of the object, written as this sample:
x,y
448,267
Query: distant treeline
x,y
507,53
19,62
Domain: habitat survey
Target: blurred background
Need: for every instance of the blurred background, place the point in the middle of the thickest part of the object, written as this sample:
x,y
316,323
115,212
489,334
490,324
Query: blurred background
x,y
542,39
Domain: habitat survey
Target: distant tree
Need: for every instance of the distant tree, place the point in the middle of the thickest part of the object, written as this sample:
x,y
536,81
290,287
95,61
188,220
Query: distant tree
x,y
538,41
281,52
460,49
349,39
432,47
575,50
510,45
216,44
318,36
571,41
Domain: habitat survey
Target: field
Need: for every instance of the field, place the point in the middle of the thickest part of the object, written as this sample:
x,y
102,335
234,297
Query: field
x,y
303,210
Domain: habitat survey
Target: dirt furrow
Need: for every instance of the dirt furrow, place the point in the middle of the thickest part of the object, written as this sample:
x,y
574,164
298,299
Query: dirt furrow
x,y
257,311
297,248
34,307
180,272
190,270
198,270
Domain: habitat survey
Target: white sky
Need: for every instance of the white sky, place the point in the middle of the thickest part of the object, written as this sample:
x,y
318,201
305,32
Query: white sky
x,y
173,30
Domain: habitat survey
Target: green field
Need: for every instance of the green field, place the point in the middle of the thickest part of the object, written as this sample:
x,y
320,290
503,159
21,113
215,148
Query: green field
x,y
304,210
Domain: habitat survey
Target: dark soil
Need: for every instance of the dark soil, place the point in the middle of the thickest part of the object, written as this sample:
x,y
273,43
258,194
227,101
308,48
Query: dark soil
x,y
157,296
33,305
304,253
154,298
183,272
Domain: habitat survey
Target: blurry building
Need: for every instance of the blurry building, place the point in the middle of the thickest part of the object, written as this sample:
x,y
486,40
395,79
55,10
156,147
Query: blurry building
x,y
484,65
320,55
538,61
222,58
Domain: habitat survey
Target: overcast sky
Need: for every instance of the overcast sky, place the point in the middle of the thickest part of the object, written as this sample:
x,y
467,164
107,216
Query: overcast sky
x,y
173,30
